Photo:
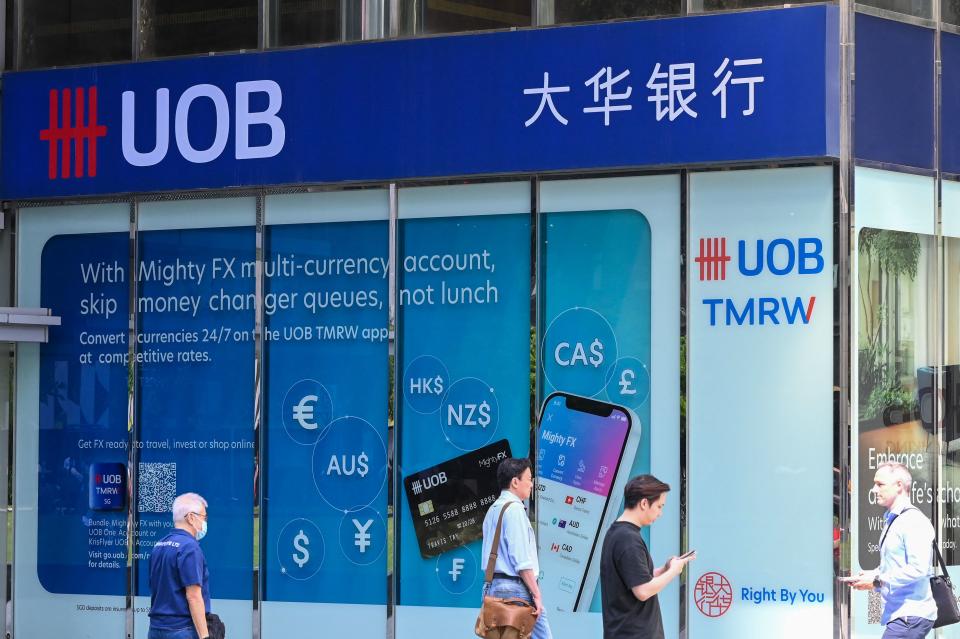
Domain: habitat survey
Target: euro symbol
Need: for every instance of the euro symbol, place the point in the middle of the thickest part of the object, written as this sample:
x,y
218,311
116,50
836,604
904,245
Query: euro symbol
x,y
303,412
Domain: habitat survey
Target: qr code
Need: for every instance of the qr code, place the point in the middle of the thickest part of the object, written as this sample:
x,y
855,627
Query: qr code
x,y
157,487
874,607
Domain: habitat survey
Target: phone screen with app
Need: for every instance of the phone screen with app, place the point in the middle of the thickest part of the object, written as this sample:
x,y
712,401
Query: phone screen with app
x,y
580,448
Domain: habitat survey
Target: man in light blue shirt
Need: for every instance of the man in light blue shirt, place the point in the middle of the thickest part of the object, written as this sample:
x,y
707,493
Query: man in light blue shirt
x,y
517,567
906,556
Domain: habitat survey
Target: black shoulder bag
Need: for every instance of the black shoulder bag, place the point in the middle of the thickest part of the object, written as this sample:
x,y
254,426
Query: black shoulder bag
x,y
215,627
942,589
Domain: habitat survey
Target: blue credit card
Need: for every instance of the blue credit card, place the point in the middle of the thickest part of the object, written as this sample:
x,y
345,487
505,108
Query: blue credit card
x,y
108,486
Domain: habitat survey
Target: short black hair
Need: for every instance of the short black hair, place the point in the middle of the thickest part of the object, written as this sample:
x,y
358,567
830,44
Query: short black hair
x,y
643,487
509,468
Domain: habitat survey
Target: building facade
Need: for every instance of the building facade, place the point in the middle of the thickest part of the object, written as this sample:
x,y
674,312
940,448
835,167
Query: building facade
x,y
326,263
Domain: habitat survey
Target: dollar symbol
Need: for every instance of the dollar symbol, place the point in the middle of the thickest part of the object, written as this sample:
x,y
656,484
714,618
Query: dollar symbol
x,y
438,384
300,543
362,468
596,353
484,410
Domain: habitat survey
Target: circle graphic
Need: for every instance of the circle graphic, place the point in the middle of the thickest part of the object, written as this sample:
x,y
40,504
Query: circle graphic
x,y
363,536
457,570
300,549
307,409
628,382
713,594
469,414
349,464
424,382
578,347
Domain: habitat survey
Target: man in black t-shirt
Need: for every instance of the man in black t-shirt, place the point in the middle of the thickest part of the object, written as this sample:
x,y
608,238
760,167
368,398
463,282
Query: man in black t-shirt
x,y
629,582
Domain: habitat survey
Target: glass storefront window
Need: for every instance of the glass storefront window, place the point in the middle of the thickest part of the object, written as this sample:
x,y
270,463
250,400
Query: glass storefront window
x,y
297,22
895,360
194,402
69,32
181,27
950,12
72,417
720,5
585,10
325,522
449,16
915,8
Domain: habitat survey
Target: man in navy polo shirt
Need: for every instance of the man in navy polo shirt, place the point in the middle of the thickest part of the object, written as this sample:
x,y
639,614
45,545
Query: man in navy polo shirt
x,y
179,589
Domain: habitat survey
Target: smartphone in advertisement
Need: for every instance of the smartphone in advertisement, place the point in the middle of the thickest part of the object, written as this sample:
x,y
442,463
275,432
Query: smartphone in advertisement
x,y
585,450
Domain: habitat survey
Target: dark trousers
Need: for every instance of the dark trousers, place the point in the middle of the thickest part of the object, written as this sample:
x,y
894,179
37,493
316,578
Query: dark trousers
x,y
908,628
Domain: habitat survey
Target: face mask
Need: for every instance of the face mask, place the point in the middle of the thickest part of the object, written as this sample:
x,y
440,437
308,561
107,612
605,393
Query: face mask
x,y
203,530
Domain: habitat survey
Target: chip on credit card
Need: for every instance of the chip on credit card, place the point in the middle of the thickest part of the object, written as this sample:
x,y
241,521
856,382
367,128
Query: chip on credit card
x,y
448,501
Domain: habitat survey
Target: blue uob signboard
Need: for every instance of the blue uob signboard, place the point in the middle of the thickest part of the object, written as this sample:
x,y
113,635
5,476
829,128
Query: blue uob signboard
x,y
714,88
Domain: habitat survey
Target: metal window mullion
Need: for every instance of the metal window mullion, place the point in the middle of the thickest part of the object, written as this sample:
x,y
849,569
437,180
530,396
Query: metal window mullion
x,y
133,421
393,466
17,32
535,316
258,432
846,227
12,432
374,19
683,301
135,30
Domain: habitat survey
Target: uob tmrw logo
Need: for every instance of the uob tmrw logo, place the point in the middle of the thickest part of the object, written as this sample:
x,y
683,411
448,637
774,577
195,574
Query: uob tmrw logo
x,y
74,127
759,268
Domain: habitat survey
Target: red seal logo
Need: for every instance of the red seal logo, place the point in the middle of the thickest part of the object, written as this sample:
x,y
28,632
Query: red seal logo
x,y
713,594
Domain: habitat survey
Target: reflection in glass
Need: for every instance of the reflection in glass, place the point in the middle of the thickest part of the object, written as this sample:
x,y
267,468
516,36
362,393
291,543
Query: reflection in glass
x,y
448,16
180,27
895,349
950,12
584,10
949,411
67,32
300,22
720,5
916,8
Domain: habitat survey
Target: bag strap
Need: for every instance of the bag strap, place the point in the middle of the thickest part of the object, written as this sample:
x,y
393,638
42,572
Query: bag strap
x,y
886,530
936,551
495,549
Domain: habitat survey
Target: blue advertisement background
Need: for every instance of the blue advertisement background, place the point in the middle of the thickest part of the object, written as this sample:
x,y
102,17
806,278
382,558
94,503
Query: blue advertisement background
x,y
490,342
599,260
452,94
354,373
181,403
80,402
205,401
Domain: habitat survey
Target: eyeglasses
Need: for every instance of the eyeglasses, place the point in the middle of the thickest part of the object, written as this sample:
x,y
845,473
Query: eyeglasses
x,y
204,516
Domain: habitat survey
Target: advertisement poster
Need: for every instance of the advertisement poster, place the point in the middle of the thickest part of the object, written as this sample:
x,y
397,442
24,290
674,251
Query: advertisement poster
x,y
760,401
595,344
82,473
70,522
193,414
905,401
600,272
464,360
195,406
326,362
